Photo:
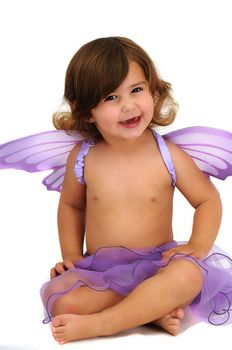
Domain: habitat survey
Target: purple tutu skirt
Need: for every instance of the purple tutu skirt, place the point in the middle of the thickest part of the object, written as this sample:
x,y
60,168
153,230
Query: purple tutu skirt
x,y
121,270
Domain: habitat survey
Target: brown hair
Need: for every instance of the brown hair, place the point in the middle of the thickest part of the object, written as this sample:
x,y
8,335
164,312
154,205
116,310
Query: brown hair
x,y
97,69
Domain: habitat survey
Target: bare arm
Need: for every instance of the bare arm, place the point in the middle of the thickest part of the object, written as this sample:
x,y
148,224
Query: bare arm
x,y
203,196
71,217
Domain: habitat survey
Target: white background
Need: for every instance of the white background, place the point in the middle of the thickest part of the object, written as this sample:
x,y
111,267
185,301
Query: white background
x,y
190,42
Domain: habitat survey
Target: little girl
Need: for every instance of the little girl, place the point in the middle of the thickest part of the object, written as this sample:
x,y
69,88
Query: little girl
x,y
118,195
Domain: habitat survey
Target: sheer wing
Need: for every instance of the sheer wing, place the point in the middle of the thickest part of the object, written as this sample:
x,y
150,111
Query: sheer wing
x,y
210,148
44,151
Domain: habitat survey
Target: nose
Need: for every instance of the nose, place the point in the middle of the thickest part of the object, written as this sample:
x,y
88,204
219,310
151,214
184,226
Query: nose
x,y
127,105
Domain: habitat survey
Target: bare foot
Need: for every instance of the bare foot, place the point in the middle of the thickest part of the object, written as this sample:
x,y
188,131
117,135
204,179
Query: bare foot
x,y
69,327
171,321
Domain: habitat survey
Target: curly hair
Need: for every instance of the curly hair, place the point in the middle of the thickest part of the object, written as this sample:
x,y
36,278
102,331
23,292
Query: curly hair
x,y
97,69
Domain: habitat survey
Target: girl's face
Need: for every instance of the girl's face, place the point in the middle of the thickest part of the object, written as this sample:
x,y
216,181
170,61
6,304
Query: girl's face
x,y
126,112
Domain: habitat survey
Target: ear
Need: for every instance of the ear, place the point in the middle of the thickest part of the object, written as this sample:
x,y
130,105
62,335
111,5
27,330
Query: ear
x,y
90,119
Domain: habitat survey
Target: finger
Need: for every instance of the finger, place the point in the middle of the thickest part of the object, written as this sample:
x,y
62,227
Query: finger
x,y
169,253
175,252
59,267
53,273
69,264
179,248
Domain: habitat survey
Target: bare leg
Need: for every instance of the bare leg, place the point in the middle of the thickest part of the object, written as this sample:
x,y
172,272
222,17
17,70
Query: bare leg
x,y
171,321
151,300
85,301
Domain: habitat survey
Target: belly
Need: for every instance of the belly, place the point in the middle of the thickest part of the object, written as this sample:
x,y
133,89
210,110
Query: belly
x,y
129,221
132,234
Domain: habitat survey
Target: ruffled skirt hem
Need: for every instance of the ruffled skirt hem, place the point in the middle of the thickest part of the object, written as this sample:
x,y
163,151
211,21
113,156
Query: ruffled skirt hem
x,y
121,270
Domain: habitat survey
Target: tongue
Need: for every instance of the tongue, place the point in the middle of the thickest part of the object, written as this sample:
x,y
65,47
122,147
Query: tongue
x,y
130,121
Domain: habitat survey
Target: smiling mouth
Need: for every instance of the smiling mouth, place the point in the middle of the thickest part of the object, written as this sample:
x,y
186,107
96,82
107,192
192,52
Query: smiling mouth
x,y
131,123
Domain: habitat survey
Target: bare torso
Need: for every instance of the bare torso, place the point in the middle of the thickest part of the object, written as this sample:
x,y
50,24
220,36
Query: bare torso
x,y
129,197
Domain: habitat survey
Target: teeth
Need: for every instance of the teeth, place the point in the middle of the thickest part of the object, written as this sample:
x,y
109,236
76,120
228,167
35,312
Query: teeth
x,y
128,120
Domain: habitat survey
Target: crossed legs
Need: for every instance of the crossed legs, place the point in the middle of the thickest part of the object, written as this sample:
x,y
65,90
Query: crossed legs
x,y
85,313
85,301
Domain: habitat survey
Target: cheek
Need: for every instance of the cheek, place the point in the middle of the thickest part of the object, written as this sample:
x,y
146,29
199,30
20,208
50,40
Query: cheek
x,y
108,112
149,105
104,116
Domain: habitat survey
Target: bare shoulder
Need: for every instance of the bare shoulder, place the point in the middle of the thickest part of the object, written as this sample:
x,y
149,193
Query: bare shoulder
x,y
190,180
181,159
175,150
73,192
73,154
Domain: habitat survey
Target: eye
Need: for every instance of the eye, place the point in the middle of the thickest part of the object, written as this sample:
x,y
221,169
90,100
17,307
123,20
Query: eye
x,y
110,98
137,89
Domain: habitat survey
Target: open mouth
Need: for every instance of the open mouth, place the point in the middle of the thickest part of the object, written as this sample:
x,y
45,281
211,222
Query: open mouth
x,y
131,123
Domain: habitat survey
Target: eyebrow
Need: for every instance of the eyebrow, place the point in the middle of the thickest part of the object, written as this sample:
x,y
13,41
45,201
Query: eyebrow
x,y
139,83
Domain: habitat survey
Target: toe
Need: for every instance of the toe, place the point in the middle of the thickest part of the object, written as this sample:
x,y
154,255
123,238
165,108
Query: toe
x,y
59,338
177,313
57,330
173,327
174,331
62,341
173,322
180,313
58,321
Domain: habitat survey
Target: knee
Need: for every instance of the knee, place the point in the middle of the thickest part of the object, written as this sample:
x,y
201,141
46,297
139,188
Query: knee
x,y
62,305
189,276
68,304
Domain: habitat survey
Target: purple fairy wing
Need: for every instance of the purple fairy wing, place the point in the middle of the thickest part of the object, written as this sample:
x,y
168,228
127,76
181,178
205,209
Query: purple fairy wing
x,y
210,148
44,151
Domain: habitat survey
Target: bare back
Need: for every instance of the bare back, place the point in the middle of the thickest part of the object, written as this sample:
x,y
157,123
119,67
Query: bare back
x,y
129,197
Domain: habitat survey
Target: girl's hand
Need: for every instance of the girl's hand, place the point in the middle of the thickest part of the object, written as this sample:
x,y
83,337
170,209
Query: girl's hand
x,y
66,264
188,249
